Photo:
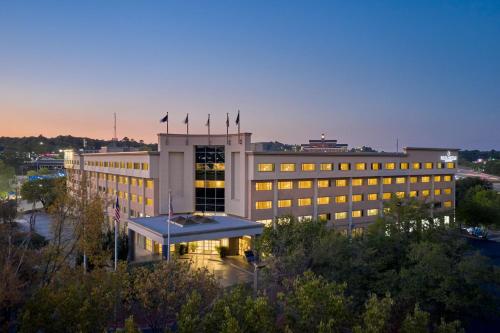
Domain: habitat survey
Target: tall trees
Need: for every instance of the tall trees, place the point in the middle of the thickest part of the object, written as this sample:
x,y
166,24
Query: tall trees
x,y
6,178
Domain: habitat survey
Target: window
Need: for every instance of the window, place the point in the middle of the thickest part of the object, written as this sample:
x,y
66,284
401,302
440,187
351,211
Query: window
x,y
263,186
130,165
413,180
308,166
340,215
341,199
386,195
285,185
357,213
428,165
149,183
304,202
447,204
372,181
149,202
345,166
145,166
133,181
440,165
139,199
437,178
326,166
447,178
387,180
376,166
305,184
416,165
357,182
323,183
324,217
357,197
265,167
287,167
373,196
137,166
284,203
425,193
323,200
404,166
267,222
140,182
450,165
372,212
437,191
400,180
340,182
134,198
447,191
390,166
413,194
263,204
360,166
425,179
400,195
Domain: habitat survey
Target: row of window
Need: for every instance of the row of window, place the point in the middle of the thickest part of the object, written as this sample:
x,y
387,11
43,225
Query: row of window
x,y
301,202
123,179
133,197
344,166
119,165
323,183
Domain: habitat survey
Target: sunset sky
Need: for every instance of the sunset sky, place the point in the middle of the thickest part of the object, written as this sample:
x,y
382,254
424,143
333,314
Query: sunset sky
x,y
364,73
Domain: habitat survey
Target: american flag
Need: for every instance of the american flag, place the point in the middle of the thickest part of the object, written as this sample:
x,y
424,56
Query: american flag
x,y
117,210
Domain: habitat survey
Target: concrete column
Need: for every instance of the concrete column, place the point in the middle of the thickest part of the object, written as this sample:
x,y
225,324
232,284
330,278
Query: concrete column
x,y
349,212
408,188
131,245
380,194
315,199
432,198
275,199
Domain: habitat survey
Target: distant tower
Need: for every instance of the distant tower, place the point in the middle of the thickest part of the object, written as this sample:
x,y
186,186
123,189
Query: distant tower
x,y
115,138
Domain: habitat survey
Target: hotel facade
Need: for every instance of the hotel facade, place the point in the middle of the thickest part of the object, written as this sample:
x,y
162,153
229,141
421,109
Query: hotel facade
x,y
220,176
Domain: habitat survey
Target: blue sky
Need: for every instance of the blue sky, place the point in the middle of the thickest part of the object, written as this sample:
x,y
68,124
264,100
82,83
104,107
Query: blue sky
x,y
364,72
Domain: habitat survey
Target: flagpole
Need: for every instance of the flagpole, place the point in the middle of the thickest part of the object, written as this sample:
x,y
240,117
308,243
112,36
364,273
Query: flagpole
x,y
116,244
187,129
227,128
168,225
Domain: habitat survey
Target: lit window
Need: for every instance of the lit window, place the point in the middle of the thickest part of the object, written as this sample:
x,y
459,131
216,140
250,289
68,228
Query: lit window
x,y
285,185
357,197
386,195
360,166
139,199
219,166
134,198
199,183
308,166
324,217
323,200
372,181
387,180
305,184
413,180
326,166
263,186
413,194
287,167
425,179
440,165
400,180
437,178
390,166
214,184
144,166
304,218
416,165
341,199
340,182
267,222
345,166
447,204
149,202
149,184
137,166
263,204
400,195
130,165
133,181
304,202
357,182
376,166
323,183
425,193
372,212
284,203
140,182
447,178
340,215
372,196
265,167
357,213
428,165
450,165
447,191
437,191
403,166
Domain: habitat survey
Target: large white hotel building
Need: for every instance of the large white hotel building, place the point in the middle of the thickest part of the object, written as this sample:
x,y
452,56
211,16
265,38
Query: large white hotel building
x,y
242,189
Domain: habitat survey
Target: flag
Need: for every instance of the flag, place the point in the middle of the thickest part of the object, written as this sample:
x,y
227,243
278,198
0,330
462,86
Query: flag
x,y
227,119
186,121
117,210
164,119
208,121
238,118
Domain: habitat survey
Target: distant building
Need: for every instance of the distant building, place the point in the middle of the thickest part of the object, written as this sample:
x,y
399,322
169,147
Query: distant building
x,y
324,145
